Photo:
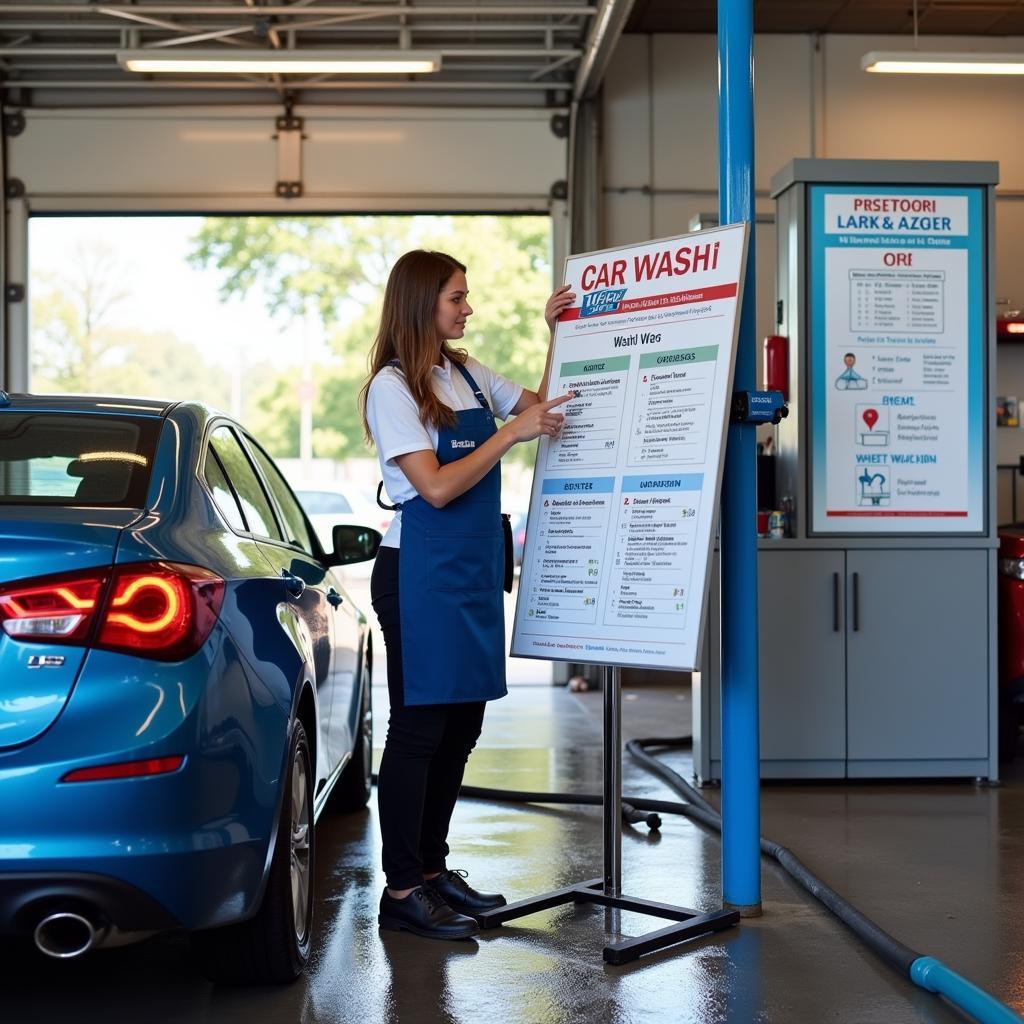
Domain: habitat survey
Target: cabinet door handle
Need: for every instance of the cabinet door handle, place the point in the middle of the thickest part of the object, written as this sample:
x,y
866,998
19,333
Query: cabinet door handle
x,y
856,602
836,625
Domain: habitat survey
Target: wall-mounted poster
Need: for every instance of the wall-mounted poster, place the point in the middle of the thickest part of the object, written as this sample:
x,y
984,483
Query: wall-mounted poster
x,y
898,331
619,533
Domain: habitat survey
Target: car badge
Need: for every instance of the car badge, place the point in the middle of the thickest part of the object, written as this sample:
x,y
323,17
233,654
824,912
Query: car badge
x,y
45,660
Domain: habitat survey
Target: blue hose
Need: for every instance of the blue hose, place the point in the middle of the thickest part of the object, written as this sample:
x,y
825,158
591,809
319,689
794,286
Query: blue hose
x,y
935,976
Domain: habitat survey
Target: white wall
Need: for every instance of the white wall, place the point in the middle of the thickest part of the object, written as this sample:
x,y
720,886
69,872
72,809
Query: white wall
x,y
812,100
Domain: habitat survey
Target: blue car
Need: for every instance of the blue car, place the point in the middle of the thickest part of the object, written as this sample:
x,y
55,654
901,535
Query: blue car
x,y
184,684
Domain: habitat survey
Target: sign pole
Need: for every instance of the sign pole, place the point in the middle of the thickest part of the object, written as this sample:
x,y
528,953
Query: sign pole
x,y
607,891
741,818
612,780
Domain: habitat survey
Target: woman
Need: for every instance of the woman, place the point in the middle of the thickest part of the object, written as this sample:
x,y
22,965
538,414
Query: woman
x,y
437,582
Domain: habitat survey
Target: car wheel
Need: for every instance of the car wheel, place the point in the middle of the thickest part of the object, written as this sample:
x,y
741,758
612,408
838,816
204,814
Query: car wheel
x,y
352,790
273,946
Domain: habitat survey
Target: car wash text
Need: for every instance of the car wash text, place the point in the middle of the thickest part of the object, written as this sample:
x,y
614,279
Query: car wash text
x,y
687,259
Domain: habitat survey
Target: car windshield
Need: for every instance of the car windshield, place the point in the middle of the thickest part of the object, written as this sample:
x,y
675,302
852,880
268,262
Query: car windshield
x,y
323,502
75,459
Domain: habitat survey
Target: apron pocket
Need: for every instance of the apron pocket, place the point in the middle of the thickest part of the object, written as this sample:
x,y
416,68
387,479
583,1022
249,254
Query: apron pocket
x,y
467,562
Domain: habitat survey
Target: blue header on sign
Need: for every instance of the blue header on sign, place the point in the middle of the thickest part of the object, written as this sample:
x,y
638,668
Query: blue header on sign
x,y
592,485
666,482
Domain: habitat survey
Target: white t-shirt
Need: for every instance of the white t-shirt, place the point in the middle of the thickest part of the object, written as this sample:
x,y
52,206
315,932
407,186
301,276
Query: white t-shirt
x,y
397,428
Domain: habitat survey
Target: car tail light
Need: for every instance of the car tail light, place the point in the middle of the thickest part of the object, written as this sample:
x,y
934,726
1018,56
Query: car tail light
x,y
126,769
57,609
157,609
1013,567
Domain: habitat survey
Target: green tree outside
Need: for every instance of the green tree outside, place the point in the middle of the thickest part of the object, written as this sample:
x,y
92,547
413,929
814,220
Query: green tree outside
x,y
337,266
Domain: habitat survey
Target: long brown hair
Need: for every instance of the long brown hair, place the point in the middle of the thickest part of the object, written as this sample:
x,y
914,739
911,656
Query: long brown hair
x,y
407,332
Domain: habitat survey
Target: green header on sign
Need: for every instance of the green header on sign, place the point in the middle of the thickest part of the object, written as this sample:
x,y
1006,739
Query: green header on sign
x,y
594,366
682,356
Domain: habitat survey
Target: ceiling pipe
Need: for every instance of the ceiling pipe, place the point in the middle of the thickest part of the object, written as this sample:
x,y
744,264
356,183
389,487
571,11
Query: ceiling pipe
x,y
611,19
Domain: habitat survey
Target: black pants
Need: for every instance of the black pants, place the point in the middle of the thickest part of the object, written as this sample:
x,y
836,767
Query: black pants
x,y
425,753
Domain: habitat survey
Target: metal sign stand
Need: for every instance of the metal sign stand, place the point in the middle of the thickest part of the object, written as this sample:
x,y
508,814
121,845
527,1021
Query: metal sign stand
x,y
607,891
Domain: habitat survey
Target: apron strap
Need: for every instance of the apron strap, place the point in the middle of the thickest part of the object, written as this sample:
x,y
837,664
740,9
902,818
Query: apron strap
x,y
473,384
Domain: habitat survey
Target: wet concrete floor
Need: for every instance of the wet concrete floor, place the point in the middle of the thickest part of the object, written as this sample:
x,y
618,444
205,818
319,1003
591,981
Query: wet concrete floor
x,y
938,865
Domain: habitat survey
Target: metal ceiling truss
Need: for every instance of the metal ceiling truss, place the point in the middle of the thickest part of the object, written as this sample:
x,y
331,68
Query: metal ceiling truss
x,y
530,53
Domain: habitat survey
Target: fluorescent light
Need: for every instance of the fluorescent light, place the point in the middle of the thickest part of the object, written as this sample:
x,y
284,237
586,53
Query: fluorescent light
x,y
918,62
279,62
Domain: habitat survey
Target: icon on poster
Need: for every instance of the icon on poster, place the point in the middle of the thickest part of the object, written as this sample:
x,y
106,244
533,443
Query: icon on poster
x,y
873,489
871,426
850,379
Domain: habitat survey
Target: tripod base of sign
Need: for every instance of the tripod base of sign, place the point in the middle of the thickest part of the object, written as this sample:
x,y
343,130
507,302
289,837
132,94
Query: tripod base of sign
x,y
690,924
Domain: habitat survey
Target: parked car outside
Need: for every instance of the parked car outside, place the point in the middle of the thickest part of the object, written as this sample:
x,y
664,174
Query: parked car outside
x,y
186,685
328,505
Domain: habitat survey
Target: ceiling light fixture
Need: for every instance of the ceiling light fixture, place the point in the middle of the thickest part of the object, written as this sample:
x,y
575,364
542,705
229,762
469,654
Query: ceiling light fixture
x,y
279,62
918,62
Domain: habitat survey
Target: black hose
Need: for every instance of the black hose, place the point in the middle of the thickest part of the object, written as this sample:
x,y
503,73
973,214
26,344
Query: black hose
x,y
695,806
958,990
891,950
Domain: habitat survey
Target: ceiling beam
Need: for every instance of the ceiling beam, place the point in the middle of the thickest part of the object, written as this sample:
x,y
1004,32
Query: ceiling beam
x,y
475,10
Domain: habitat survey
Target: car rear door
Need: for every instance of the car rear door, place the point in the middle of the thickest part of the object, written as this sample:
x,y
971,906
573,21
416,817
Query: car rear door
x,y
301,575
302,550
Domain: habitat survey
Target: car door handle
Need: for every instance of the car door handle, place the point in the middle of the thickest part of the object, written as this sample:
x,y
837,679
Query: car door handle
x,y
292,583
334,597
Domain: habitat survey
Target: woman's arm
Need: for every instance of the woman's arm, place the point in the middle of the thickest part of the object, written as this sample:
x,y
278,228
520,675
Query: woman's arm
x,y
560,300
439,484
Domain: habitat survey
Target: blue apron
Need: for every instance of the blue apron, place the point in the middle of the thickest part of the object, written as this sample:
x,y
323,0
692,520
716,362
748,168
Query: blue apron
x,y
450,572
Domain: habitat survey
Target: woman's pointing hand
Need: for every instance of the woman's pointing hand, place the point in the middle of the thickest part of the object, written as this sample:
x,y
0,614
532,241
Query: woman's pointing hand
x,y
539,419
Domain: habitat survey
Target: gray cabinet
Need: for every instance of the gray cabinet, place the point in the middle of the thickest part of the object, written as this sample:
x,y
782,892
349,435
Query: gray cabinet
x,y
917,663
803,681
873,663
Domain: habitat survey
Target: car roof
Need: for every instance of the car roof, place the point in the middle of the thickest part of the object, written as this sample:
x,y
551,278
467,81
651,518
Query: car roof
x,y
85,403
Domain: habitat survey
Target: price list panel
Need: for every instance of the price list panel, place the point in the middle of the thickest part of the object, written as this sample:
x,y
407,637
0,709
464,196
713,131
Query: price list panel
x,y
621,518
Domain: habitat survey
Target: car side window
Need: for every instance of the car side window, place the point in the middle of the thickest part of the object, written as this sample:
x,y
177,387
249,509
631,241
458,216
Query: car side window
x,y
238,468
294,520
221,491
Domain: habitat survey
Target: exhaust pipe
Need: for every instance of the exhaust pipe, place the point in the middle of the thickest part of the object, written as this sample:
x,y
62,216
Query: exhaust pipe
x,y
67,935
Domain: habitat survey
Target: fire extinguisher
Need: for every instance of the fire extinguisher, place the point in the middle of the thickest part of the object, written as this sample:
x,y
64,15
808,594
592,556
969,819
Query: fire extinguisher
x,y
776,364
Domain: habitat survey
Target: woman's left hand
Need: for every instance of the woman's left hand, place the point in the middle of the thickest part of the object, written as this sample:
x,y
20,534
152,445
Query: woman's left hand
x,y
561,299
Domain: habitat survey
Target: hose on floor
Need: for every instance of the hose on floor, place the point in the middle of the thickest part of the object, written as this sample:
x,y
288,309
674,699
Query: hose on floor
x,y
924,971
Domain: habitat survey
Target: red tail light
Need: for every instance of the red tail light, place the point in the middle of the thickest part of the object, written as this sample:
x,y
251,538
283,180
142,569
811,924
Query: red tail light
x,y
126,769
157,609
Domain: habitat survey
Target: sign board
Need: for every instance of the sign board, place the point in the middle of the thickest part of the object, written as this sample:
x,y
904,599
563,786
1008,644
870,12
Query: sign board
x,y
898,317
621,518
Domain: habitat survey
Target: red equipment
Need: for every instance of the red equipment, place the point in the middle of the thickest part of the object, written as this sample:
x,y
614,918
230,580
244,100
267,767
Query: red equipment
x,y
776,364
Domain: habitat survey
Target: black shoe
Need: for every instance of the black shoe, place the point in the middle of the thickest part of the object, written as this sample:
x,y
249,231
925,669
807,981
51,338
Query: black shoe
x,y
453,888
424,912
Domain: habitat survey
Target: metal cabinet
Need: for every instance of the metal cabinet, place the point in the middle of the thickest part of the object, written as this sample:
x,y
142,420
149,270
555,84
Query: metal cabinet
x,y
803,676
873,663
917,669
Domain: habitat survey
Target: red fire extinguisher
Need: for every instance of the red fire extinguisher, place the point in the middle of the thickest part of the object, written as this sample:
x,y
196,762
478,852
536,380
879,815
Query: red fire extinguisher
x,y
776,364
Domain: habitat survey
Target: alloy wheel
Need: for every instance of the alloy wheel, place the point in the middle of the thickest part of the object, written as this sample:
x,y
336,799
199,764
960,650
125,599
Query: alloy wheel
x,y
302,824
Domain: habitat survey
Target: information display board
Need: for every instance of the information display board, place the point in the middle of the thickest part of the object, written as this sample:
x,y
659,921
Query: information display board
x,y
621,516
898,311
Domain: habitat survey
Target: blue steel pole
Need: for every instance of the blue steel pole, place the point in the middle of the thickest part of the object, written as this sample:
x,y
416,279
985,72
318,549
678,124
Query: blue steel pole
x,y
741,815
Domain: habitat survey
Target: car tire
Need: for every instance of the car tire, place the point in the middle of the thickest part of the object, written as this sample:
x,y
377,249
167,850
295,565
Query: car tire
x,y
272,947
352,790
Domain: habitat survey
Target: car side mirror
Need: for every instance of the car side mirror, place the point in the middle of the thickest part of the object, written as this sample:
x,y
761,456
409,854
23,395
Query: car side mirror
x,y
354,544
